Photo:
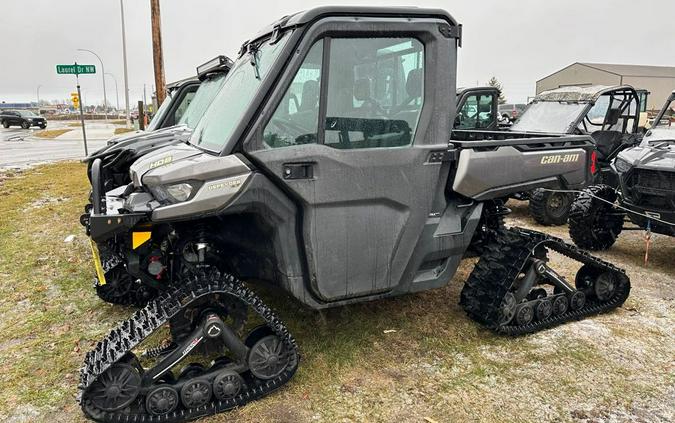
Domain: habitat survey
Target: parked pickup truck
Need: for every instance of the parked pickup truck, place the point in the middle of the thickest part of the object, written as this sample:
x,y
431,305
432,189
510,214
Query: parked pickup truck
x,y
22,118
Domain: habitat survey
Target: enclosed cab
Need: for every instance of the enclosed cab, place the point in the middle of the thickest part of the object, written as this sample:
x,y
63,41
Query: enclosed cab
x,y
477,108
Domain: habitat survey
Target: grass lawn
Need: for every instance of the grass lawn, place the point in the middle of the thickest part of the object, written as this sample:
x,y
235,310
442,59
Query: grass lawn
x,y
51,133
416,358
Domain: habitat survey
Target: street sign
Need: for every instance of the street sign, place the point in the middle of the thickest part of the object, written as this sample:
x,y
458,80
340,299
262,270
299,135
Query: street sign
x,y
75,98
75,69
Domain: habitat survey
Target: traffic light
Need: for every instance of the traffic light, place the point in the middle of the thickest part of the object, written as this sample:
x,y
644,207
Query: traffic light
x,y
75,99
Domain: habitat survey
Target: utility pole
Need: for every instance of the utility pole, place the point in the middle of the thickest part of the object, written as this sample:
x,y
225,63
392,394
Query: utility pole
x,y
38,98
126,76
157,55
145,102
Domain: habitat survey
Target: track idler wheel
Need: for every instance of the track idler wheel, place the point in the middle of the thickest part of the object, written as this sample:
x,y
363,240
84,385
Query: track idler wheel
x,y
577,300
161,400
507,311
268,358
525,314
196,393
560,305
116,388
228,384
544,309
604,287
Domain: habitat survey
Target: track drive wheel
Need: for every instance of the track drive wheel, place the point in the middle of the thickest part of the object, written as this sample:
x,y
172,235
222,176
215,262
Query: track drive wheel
x,y
594,222
549,207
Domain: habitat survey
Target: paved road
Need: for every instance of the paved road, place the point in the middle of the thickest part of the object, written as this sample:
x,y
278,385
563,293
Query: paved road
x,y
19,149
18,154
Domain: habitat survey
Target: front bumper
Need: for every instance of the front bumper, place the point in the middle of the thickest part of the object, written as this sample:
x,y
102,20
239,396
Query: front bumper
x,y
101,226
654,226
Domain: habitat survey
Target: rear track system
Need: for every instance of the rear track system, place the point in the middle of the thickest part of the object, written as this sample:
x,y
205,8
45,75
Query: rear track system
x,y
504,290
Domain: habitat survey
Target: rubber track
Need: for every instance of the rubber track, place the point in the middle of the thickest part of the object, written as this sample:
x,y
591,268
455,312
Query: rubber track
x,y
501,264
158,312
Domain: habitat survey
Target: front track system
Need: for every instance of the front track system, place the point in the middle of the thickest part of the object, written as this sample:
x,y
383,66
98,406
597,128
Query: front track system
x,y
116,387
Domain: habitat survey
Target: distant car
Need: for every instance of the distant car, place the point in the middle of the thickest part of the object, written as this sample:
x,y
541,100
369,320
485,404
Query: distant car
x,y
511,112
22,118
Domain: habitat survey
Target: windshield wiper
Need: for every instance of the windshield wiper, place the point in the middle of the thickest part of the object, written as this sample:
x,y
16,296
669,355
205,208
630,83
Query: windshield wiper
x,y
253,52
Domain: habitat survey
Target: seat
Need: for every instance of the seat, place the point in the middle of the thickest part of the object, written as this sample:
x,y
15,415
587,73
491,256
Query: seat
x,y
607,143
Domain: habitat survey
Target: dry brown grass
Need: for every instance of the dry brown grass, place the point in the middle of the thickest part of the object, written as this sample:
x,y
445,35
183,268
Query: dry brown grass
x,y
437,364
51,133
123,130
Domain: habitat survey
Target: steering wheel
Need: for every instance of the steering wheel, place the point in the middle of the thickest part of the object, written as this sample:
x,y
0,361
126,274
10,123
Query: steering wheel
x,y
290,128
374,107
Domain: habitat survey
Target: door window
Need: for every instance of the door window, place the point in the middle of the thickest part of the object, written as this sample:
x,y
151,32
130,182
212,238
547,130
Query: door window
x,y
182,107
375,92
476,113
296,119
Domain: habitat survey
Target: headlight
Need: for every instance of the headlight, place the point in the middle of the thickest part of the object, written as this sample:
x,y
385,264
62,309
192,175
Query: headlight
x,y
179,192
622,165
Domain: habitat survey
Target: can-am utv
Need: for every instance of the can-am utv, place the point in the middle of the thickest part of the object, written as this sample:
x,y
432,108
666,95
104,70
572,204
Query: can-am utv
x,y
335,178
609,114
646,193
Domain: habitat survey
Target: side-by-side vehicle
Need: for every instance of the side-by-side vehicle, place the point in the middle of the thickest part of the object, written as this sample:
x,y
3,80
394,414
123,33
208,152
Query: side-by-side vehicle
x,y
336,177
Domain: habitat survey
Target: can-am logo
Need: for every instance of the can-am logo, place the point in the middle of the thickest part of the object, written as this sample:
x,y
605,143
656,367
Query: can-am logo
x,y
560,158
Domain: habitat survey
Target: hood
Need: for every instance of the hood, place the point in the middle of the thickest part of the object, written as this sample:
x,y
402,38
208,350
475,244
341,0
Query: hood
x,y
659,133
650,157
167,155
140,142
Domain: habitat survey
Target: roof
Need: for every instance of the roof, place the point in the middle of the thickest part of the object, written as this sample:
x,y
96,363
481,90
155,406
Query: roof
x,y
634,70
625,70
462,90
177,84
310,15
575,93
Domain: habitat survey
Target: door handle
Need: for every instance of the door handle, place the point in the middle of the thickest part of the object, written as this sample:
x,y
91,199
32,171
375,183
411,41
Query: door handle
x,y
298,170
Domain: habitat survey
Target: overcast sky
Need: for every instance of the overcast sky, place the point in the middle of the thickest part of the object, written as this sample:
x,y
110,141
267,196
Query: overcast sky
x,y
518,41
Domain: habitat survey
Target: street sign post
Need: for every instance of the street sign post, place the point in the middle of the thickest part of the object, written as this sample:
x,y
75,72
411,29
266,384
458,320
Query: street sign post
x,y
77,70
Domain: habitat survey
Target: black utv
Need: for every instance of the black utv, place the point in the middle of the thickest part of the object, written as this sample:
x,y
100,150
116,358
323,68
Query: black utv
x,y
337,178
645,194
609,114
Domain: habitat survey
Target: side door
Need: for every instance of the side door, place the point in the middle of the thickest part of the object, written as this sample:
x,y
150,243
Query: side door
x,y
353,137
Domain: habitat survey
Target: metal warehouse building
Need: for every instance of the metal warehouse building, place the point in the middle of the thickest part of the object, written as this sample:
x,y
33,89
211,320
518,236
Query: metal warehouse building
x,y
659,80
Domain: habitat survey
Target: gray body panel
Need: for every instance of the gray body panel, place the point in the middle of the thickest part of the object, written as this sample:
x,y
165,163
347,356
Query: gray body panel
x,y
483,175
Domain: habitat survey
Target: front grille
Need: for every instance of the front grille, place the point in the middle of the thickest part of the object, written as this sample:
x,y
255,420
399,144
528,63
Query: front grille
x,y
655,182
651,188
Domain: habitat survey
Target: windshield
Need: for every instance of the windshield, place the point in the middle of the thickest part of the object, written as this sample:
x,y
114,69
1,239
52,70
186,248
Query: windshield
x,y
241,85
160,112
26,113
203,97
549,116
668,115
